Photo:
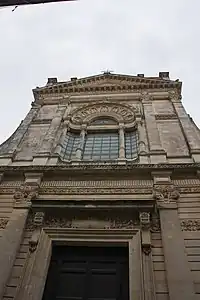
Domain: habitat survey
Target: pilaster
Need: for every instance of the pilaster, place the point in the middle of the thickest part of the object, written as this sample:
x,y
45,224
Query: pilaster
x,y
157,154
179,278
50,136
149,286
12,234
188,128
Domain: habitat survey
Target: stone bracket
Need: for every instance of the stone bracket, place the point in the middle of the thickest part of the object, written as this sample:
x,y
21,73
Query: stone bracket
x,y
37,223
145,225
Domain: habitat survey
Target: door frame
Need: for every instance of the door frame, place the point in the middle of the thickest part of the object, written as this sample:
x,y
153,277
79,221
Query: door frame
x,y
35,275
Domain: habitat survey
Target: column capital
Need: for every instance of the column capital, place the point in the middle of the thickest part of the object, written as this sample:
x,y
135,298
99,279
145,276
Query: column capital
x,y
166,196
121,125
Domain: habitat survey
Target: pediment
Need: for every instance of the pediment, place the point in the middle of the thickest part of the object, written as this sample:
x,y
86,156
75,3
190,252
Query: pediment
x,y
106,82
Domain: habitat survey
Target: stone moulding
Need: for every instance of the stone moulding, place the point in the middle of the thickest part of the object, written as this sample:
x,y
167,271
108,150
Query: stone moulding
x,y
190,225
166,117
100,166
103,191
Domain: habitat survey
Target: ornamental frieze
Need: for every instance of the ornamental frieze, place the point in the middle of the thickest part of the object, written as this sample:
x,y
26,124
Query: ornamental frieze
x,y
60,190
102,191
89,223
190,225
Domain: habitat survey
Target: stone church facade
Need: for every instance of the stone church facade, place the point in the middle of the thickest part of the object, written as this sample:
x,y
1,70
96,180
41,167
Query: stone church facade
x,y
104,163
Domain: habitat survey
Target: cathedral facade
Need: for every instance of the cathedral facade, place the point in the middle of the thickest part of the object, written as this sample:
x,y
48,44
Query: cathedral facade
x,y
100,193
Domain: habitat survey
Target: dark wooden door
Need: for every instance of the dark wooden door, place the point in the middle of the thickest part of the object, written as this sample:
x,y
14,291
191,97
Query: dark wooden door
x,y
88,273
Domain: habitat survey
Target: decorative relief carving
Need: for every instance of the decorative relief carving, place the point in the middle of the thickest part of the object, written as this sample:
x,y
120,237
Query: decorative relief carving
x,y
107,223
120,223
190,225
102,191
145,96
165,193
36,226
174,95
25,193
144,220
165,117
3,223
155,224
122,112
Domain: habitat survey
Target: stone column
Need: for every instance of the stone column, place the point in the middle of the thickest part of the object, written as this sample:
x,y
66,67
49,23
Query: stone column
x,y
179,277
27,281
79,150
121,142
13,233
191,132
149,286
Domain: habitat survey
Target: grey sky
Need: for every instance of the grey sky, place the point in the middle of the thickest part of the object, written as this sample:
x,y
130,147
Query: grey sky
x,y
85,37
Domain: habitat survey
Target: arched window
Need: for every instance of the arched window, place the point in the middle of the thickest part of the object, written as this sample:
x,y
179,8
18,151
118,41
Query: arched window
x,y
70,145
102,146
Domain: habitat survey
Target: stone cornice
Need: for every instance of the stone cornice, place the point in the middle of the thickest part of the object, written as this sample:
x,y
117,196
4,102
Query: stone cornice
x,y
82,166
105,83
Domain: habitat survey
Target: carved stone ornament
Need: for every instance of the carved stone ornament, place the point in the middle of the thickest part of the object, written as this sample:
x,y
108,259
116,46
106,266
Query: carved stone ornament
x,y
104,191
155,225
106,223
144,220
37,225
174,95
190,225
3,223
25,193
165,193
122,113
145,96
146,249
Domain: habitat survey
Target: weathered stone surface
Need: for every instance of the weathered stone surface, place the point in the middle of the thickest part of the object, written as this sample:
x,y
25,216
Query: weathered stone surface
x,y
172,138
152,203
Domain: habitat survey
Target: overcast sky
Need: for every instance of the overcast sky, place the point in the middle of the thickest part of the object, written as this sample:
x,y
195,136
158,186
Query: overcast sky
x,y
88,36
